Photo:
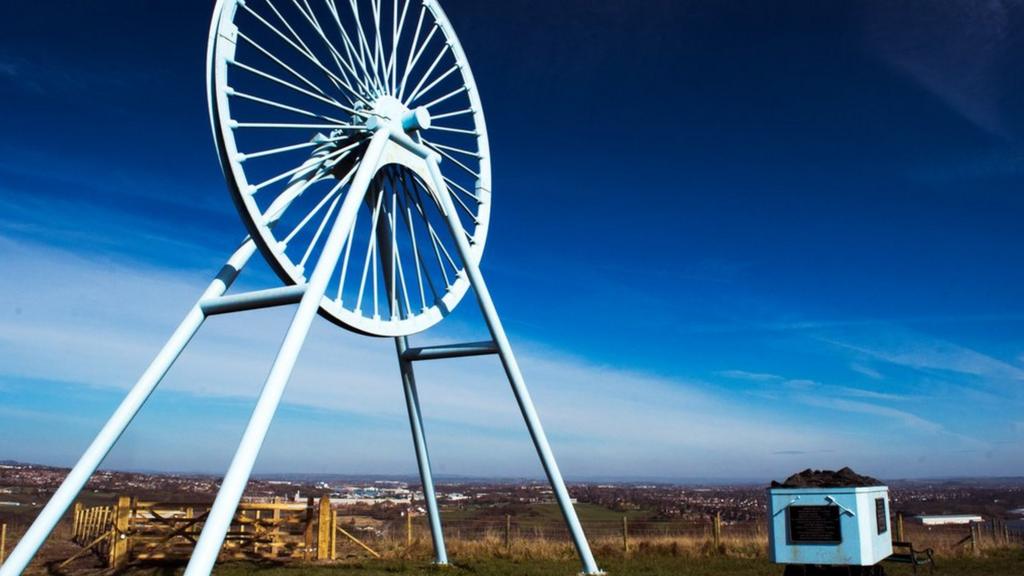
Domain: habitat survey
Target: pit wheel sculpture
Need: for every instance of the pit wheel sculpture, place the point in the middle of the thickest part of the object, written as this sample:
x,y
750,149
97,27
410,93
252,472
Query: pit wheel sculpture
x,y
354,146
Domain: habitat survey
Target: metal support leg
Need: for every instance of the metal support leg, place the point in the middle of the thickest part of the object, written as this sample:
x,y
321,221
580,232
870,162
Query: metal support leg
x,y
515,376
230,493
118,422
412,402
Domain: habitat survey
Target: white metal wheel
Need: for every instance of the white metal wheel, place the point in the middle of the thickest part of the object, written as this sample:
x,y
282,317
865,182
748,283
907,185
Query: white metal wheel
x,y
295,87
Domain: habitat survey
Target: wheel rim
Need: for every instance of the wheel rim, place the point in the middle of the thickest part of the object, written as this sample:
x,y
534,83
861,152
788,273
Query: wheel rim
x,y
295,87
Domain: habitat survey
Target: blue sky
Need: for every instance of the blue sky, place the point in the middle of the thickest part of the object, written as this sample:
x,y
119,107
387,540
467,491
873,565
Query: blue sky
x,y
729,240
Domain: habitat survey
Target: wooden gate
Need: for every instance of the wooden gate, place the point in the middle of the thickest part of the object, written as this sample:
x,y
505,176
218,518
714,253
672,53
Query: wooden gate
x,y
141,530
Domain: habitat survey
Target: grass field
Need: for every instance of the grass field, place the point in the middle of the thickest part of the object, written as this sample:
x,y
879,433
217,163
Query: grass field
x,y
1004,563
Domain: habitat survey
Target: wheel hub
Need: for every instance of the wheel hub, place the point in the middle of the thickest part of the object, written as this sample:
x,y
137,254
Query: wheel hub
x,y
388,110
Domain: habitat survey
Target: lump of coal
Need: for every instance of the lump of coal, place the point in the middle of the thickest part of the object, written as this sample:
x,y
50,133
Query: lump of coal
x,y
827,479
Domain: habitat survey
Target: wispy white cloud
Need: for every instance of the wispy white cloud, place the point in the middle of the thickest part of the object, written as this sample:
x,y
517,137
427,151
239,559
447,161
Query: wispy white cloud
x,y
866,371
847,399
954,52
99,322
752,376
886,412
871,394
902,347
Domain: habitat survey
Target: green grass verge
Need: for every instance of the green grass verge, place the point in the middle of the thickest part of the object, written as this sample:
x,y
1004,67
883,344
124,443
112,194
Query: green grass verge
x,y
1004,563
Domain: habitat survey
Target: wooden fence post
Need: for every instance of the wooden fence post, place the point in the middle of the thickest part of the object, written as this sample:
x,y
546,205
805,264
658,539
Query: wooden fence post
x,y
974,538
256,527
408,527
334,535
899,527
275,534
3,542
77,518
508,531
324,529
716,531
307,552
119,535
625,535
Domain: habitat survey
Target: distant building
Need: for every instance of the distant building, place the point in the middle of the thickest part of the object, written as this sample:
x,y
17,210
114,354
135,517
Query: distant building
x,y
948,519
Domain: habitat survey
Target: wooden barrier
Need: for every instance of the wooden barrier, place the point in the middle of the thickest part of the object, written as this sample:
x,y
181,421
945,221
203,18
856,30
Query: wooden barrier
x,y
133,530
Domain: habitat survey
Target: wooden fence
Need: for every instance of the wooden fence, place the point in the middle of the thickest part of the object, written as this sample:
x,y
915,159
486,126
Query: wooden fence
x,y
138,530
133,530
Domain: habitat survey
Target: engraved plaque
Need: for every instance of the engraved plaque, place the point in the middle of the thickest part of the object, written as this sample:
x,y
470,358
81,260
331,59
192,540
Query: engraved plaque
x,y
814,524
881,517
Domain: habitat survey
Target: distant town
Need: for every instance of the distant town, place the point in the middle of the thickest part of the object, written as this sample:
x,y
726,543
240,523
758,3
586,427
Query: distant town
x,y
24,487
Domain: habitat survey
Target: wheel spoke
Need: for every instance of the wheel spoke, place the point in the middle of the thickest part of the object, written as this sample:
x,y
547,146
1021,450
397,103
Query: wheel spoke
x,y
340,61
396,38
295,35
369,253
460,188
305,52
457,150
311,165
354,55
452,158
445,97
397,274
295,126
378,47
284,200
417,258
416,91
450,114
437,81
298,89
466,208
364,45
453,130
278,61
249,155
437,239
316,209
430,231
319,231
281,106
414,53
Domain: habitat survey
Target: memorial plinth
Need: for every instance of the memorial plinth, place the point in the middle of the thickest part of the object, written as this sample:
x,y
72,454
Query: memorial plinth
x,y
827,523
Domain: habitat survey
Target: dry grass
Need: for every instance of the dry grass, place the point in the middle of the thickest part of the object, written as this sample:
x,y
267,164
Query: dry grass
x,y
945,543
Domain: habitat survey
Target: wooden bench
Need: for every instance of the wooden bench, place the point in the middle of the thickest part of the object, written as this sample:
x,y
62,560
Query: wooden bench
x,y
908,555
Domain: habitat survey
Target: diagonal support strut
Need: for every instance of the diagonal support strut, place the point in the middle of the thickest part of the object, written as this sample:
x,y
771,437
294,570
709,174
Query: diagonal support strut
x,y
508,360
122,417
212,537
